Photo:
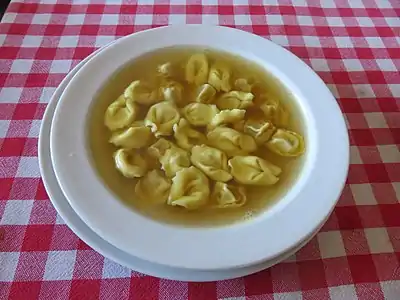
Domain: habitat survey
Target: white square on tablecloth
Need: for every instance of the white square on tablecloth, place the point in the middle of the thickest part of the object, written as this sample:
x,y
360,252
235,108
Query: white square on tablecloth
x,y
356,4
17,212
233,298
288,296
35,129
378,240
335,21
8,265
21,66
353,65
60,66
364,91
274,20
319,64
8,17
392,22
386,65
47,92
41,19
75,19
355,157
143,19
4,124
10,94
375,42
328,4
343,42
301,3
210,19
60,265
174,19
391,289
102,40
305,20
331,244
109,19
32,41
343,292
242,19
363,194
376,120
112,269
28,167
365,22
312,41
394,89
389,153
396,187
280,40
68,41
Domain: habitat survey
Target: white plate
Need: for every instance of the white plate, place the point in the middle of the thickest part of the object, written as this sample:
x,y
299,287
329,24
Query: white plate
x,y
73,221
297,215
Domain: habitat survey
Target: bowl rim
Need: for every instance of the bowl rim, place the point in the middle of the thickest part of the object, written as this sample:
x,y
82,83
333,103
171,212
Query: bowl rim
x,y
327,141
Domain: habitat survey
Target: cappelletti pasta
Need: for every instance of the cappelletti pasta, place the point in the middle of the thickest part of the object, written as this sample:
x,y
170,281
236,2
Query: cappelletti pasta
x,y
197,135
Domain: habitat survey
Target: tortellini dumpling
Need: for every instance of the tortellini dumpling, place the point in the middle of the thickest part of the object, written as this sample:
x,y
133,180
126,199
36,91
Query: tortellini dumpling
x,y
231,141
260,130
120,113
253,170
286,143
241,84
142,93
158,148
173,92
161,117
196,71
235,99
274,111
165,69
186,137
190,189
153,187
134,137
219,77
228,116
173,160
130,163
227,195
205,93
213,162
200,114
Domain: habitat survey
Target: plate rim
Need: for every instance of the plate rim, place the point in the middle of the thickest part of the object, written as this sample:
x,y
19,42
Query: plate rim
x,y
73,178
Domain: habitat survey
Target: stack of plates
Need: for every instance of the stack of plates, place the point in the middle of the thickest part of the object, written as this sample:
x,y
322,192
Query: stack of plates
x,y
324,118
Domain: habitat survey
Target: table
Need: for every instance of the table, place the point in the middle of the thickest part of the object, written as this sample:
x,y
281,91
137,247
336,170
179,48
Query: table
x,y
353,45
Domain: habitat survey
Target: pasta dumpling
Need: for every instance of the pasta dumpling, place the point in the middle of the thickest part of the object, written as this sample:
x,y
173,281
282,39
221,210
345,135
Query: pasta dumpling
x,y
196,70
274,111
213,162
235,99
161,117
205,93
253,170
231,141
134,137
120,113
172,92
219,77
286,143
173,160
165,69
227,195
260,130
158,148
186,137
142,93
190,189
200,114
130,164
153,187
241,84
228,116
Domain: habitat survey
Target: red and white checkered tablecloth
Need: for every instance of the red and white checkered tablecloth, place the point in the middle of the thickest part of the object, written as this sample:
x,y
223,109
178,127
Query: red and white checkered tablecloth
x,y
354,45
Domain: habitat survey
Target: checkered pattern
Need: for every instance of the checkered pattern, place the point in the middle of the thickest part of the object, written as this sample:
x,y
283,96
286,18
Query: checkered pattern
x,y
352,44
